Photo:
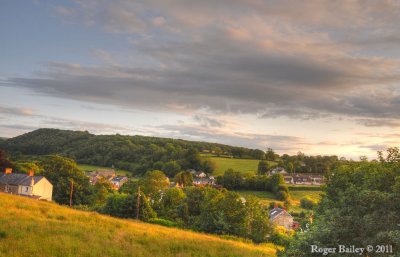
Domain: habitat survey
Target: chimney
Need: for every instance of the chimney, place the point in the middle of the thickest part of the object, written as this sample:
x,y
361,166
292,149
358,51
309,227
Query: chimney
x,y
30,173
7,170
276,205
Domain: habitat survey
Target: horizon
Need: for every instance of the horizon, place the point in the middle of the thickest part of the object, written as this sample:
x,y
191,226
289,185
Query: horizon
x,y
355,158
314,77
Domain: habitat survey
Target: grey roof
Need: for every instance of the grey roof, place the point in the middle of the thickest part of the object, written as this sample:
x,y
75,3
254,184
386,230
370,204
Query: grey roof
x,y
18,179
119,178
275,212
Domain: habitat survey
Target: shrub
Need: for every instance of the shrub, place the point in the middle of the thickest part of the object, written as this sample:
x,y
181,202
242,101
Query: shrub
x,y
3,234
307,203
163,222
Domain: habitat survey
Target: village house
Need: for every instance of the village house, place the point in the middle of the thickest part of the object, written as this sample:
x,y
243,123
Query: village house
x,y
280,217
204,181
118,181
278,170
95,176
37,187
305,179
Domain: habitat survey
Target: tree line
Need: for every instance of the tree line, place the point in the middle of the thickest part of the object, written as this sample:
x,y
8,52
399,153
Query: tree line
x,y
235,180
137,154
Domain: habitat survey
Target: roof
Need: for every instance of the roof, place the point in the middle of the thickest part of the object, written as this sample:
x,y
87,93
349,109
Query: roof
x,y
276,212
119,178
18,179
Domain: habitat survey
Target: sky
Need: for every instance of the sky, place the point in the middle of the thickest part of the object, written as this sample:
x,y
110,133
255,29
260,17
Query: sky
x,y
320,77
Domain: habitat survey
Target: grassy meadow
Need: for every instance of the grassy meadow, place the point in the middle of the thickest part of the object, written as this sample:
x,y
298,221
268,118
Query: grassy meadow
x,y
86,167
242,165
36,228
267,197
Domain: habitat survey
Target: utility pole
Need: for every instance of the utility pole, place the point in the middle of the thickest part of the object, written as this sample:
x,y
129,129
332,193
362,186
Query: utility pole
x,y
70,193
138,204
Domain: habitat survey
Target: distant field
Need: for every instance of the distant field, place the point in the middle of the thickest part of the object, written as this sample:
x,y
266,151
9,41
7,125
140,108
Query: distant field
x,y
267,197
41,229
86,167
242,165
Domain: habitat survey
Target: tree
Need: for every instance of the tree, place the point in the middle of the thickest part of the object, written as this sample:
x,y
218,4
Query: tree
x,y
101,190
130,187
171,168
290,167
217,151
360,207
208,165
184,178
60,171
4,161
258,226
263,167
231,179
270,154
124,206
170,203
28,166
154,182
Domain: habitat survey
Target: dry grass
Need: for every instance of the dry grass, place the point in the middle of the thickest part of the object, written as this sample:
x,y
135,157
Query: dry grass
x,y
35,228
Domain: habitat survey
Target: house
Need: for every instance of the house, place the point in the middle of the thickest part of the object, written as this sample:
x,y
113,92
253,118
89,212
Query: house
x,y
94,176
197,174
37,187
278,170
118,181
210,181
280,217
305,179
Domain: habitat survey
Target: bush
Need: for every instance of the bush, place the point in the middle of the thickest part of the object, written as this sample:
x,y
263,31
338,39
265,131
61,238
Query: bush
x,y
307,203
272,205
3,234
163,222
282,195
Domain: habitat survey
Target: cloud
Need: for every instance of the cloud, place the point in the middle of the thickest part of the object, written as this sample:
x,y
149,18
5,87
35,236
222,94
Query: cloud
x,y
280,143
22,111
207,122
266,58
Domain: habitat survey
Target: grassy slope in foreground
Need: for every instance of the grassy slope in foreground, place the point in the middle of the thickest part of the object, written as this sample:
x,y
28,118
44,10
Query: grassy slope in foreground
x,y
35,228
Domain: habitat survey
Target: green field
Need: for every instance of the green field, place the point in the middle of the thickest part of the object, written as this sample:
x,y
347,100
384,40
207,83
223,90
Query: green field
x,y
242,165
267,197
86,167
41,229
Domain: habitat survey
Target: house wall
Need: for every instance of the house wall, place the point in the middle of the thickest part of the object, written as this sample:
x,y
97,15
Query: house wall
x,y
2,188
25,190
12,189
44,189
284,220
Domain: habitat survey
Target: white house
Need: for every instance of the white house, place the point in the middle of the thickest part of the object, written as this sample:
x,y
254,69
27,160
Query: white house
x,y
27,185
118,181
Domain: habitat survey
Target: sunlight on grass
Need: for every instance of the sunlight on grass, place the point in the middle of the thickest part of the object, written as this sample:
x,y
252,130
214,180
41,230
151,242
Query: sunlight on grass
x,y
36,228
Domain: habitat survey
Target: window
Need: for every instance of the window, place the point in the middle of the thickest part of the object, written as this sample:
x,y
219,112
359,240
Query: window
x,y
26,189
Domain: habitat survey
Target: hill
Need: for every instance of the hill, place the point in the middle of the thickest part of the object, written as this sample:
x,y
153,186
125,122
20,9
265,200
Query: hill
x,y
36,228
133,153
